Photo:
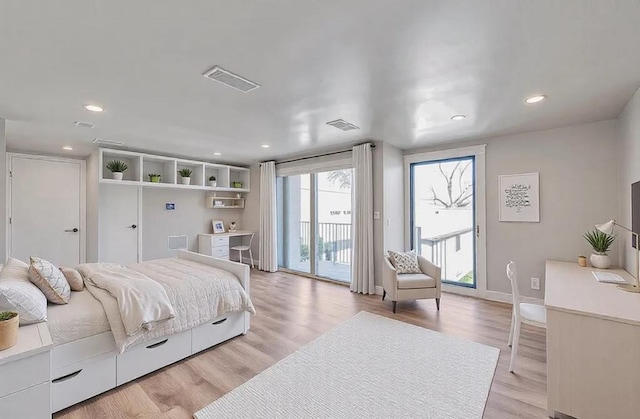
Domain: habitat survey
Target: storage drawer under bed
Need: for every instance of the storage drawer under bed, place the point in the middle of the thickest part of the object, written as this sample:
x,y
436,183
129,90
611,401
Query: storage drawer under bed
x,y
151,356
217,331
70,386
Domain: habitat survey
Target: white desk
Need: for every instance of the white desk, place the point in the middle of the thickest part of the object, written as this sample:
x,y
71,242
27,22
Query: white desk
x,y
218,245
593,345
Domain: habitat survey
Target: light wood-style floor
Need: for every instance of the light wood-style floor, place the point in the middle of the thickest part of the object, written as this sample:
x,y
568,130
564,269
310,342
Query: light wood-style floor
x,y
291,312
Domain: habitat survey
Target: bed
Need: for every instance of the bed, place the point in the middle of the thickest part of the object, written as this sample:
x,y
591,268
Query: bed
x,y
94,353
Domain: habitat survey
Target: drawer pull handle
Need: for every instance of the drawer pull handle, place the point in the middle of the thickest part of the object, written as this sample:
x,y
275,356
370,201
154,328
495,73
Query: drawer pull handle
x,y
219,322
155,345
66,377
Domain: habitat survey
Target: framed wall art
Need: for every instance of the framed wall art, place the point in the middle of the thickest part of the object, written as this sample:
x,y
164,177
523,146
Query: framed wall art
x,y
519,197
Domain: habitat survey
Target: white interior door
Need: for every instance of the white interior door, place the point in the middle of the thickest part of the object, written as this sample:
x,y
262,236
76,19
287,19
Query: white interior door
x,y
46,214
119,224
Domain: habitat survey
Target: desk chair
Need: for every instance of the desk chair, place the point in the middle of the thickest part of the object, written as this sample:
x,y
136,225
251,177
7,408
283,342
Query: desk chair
x,y
244,248
531,314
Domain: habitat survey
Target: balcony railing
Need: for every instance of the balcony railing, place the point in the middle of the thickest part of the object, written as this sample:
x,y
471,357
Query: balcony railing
x,y
452,251
334,240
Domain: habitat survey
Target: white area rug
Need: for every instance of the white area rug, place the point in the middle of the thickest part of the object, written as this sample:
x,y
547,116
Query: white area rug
x,y
372,367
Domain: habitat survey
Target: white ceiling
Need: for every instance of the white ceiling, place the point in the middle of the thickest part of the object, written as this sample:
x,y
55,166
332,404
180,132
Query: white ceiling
x,y
397,69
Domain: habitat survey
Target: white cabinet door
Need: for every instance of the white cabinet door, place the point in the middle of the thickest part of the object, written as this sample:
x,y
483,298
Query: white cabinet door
x,y
119,223
46,209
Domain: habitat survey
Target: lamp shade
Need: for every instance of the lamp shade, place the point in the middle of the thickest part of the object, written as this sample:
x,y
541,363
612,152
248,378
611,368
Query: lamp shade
x,y
607,227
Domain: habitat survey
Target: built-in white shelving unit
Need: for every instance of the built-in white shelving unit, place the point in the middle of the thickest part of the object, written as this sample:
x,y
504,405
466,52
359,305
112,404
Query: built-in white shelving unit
x,y
141,165
220,202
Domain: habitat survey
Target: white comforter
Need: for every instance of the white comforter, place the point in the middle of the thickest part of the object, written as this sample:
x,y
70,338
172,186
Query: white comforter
x,y
197,293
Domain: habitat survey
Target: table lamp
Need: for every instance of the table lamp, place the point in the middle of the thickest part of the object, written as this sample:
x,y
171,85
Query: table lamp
x,y
608,228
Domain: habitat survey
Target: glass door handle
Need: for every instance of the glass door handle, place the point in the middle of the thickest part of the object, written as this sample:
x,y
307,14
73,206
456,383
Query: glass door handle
x,y
72,230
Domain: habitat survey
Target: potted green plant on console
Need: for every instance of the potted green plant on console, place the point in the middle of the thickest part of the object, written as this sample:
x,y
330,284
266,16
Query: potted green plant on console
x,y
117,168
600,242
185,174
9,323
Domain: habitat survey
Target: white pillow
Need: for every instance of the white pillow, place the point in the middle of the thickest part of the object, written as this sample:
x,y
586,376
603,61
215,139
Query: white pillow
x,y
25,299
405,263
50,280
15,269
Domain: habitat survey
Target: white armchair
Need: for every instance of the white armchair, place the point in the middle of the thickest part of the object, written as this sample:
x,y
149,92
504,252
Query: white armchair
x,y
400,287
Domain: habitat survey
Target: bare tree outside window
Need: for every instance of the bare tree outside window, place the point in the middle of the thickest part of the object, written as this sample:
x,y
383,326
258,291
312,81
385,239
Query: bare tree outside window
x,y
458,192
342,178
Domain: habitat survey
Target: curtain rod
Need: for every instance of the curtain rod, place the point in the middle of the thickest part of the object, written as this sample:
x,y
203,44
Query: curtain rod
x,y
322,155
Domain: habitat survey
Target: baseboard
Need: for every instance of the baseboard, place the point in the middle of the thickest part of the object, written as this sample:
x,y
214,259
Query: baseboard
x,y
504,297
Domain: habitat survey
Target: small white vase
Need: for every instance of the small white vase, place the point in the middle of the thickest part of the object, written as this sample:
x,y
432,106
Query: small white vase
x,y
213,183
117,175
600,261
186,181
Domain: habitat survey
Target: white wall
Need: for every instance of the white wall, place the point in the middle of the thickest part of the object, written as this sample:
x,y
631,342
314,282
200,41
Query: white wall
x,y
577,190
3,189
628,130
190,217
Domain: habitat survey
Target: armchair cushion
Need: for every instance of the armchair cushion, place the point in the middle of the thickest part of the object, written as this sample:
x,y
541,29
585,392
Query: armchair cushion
x,y
412,281
405,263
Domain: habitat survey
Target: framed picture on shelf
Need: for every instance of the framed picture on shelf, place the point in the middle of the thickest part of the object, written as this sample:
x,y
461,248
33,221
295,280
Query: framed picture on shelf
x,y
519,198
218,226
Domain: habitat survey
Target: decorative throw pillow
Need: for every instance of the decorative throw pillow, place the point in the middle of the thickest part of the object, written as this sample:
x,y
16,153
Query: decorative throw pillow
x,y
50,280
405,263
25,299
73,278
15,269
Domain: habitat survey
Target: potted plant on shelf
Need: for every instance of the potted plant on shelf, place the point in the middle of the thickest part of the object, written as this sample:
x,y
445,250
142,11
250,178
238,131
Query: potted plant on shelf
x,y
155,178
9,323
117,168
185,174
237,184
212,181
600,242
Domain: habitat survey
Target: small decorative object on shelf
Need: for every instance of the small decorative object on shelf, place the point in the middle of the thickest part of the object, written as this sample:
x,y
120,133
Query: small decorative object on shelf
x,y
212,181
238,195
600,242
155,178
582,261
117,168
185,174
232,227
9,323
237,184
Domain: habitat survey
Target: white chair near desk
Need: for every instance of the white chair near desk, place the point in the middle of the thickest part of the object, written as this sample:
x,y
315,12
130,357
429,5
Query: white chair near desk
x,y
244,248
531,314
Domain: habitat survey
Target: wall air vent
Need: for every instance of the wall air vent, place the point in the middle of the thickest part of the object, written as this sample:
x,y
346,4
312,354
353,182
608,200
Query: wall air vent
x,y
232,80
83,124
343,125
102,141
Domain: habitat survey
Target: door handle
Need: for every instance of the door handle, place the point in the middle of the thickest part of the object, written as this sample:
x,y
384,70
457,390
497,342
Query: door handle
x,y
133,226
73,230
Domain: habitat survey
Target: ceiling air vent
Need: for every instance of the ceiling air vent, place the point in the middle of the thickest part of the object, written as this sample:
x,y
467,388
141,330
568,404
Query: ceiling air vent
x,y
106,142
232,80
83,124
343,125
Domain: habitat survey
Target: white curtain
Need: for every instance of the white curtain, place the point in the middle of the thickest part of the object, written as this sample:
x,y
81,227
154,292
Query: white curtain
x,y
362,279
268,218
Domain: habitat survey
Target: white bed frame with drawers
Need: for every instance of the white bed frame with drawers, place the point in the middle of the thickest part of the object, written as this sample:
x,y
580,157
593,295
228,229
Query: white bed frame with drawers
x,y
87,367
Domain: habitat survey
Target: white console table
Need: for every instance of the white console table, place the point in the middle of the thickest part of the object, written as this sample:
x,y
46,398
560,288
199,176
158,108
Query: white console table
x,y
593,345
218,245
25,375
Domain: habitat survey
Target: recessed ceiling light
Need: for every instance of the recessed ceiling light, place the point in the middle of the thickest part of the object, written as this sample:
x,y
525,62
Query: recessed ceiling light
x,y
83,124
217,154
67,147
265,146
535,99
94,108
458,117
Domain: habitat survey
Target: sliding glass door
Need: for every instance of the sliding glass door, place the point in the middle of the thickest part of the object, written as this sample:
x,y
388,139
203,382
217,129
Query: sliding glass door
x,y
314,223
443,216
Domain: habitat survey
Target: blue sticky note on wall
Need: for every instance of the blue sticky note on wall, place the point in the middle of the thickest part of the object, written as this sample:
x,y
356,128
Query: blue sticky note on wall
x,y
170,206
